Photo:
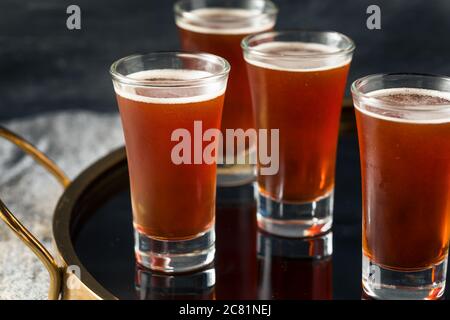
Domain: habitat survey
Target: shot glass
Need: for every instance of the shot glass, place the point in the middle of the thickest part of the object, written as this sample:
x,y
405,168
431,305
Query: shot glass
x,y
404,141
297,80
217,27
168,102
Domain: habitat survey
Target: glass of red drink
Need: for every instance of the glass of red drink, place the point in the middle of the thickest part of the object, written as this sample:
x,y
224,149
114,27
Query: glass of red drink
x,y
297,80
217,27
404,140
160,95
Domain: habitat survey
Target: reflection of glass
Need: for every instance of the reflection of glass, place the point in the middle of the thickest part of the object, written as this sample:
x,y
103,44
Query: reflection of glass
x,y
161,95
236,244
299,269
153,285
297,80
404,140
218,26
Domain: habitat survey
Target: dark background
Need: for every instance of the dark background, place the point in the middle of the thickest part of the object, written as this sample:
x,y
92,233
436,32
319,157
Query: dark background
x,y
45,67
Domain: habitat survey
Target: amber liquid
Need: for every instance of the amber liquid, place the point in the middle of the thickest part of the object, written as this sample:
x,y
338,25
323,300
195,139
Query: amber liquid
x,y
238,112
305,106
169,201
405,170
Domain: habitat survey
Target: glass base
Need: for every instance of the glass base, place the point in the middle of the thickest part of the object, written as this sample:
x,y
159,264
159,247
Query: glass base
x,y
235,175
381,283
173,256
305,219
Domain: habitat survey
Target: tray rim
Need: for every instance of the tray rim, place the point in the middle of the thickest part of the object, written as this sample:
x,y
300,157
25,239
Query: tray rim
x,y
64,212
64,215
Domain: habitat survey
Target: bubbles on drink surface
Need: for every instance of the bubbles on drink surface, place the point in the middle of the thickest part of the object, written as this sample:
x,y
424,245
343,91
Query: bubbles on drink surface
x,y
295,48
159,87
412,97
169,75
408,105
226,21
296,56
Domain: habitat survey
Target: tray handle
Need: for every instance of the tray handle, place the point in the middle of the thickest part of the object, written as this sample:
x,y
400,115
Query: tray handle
x,y
18,228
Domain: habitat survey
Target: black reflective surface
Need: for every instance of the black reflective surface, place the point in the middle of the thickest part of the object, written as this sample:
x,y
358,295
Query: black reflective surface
x,y
249,264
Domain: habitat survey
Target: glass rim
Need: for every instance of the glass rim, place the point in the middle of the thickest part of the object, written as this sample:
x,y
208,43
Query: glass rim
x,y
245,44
271,9
125,79
380,103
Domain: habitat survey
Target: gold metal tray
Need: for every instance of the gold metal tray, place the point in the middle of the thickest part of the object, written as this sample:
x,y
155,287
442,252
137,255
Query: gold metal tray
x,y
92,231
